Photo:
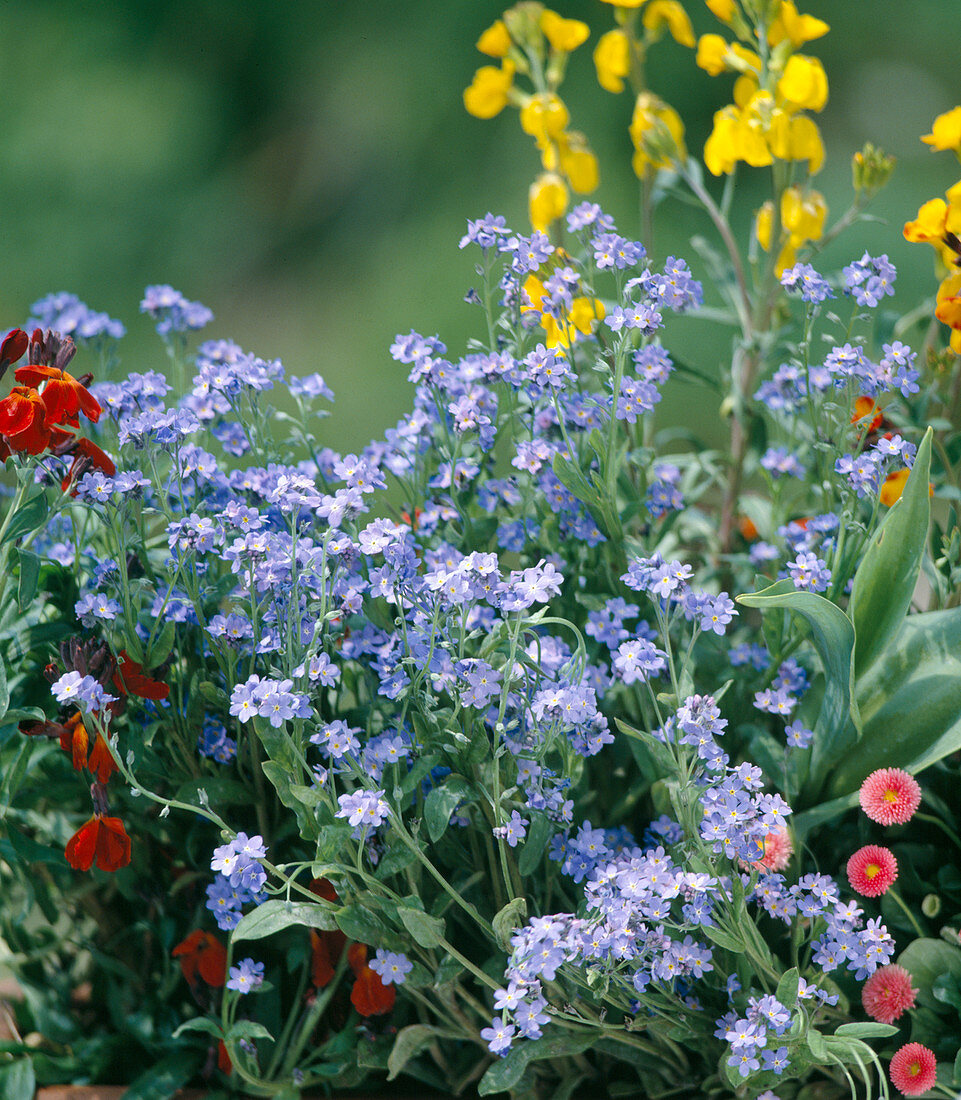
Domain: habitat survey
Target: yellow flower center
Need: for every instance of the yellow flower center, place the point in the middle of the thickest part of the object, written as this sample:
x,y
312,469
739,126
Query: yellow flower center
x,y
872,869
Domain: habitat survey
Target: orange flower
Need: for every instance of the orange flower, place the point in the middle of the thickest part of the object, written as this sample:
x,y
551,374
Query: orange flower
x,y
101,763
864,407
13,346
204,955
130,679
87,456
63,396
325,951
747,528
369,996
101,839
23,420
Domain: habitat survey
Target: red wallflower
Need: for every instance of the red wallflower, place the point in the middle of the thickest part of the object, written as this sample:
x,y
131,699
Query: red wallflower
x,y
369,996
100,762
63,395
130,679
13,346
87,456
104,840
202,954
23,420
325,951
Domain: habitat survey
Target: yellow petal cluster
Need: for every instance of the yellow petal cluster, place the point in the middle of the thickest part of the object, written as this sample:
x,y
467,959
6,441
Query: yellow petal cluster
x,y
657,133
612,59
668,14
802,219
496,40
559,334
799,29
938,223
544,116
563,34
725,10
546,200
488,93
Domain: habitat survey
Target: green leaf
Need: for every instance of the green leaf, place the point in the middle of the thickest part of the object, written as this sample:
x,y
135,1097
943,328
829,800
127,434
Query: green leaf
x,y
910,702
410,1041
426,930
947,989
30,516
506,1072
832,634
926,960
508,920
361,925
248,1029
866,1031
724,939
537,840
818,1047
787,988
885,580
29,575
200,1023
165,1077
440,803
17,1080
162,645
275,915
4,691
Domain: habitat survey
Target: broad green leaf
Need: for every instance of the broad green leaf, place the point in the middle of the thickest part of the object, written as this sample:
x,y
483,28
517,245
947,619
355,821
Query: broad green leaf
x,y
441,801
410,1041
426,930
724,939
508,920
17,1080
162,645
361,925
29,517
29,575
787,988
832,634
537,840
886,578
4,691
926,960
275,915
910,702
818,1047
803,823
506,1072
200,1023
248,1029
866,1031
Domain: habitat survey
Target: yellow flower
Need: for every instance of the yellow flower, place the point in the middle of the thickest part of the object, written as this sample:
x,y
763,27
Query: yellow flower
x,y
948,309
669,13
796,137
658,134
487,94
612,59
763,225
725,10
798,28
893,486
802,215
578,163
804,85
563,34
928,227
546,201
721,147
946,131
582,318
544,116
625,3
495,41
711,55
744,59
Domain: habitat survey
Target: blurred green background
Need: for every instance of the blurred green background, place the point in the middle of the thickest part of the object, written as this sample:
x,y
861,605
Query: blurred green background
x,y
306,169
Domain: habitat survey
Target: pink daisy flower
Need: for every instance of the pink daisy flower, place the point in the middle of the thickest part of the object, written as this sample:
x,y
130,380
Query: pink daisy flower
x,y
778,850
890,796
913,1069
888,994
872,870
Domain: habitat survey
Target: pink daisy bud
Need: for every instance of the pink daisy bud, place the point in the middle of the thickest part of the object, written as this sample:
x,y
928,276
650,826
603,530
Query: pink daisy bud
x,y
913,1069
872,870
888,994
778,850
890,796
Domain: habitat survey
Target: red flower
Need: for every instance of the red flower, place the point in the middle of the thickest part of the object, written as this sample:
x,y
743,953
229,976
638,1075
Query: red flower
x,y
890,796
778,850
87,456
325,951
13,346
224,1063
872,870
913,1070
101,763
102,839
63,395
369,996
23,420
888,994
130,679
204,955
74,739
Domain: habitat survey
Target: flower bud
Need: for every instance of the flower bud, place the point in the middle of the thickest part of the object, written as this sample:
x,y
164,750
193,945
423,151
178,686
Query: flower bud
x,y
871,169
931,905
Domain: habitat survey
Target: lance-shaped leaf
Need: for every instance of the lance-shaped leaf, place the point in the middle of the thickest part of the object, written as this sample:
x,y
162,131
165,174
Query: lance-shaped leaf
x,y
886,578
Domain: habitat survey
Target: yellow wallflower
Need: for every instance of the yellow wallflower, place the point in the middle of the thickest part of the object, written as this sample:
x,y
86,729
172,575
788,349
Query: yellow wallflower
x,y
798,28
578,163
546,200
487,94
712,52
495,41
612,59
948,309
721,147
658,134
669,13
796,137
802,215
544,116
928,227
804,85
893,486
583,317
725,10
946,131
625,3
563,34
764,225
